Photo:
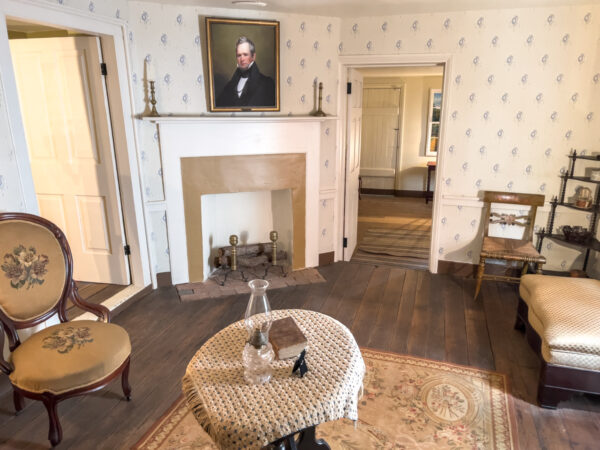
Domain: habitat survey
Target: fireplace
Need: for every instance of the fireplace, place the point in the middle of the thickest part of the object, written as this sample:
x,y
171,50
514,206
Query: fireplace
x,y
250,216
219,155
241,173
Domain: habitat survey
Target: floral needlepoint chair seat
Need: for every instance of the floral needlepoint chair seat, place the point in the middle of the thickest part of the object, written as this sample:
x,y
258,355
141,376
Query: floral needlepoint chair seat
x,y
64,359
69,355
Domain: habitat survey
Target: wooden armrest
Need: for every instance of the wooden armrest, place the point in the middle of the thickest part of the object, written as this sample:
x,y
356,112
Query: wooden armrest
x,y
101,311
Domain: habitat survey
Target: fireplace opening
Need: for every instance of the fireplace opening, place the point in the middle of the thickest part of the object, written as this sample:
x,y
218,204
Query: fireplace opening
x,y
267,187
249,215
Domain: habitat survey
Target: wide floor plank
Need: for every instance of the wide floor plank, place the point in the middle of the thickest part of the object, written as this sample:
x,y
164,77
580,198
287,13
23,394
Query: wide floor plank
x,y
387,308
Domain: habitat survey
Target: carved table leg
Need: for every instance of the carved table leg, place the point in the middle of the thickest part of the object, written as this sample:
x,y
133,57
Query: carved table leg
x,y
306,441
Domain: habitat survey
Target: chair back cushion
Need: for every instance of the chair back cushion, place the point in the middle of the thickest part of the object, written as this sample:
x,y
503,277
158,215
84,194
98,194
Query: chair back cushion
x,y
32,270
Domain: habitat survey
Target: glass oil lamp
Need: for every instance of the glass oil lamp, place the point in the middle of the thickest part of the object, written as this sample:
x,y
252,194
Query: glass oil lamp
x,y
258,352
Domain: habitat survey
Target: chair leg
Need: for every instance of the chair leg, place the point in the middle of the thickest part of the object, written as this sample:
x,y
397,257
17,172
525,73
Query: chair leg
x,y
525,268
55,430
538,268
125,381
480,271
18,400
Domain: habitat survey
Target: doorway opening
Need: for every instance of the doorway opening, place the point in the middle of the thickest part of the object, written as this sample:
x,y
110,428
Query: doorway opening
x,y
397,136
65,113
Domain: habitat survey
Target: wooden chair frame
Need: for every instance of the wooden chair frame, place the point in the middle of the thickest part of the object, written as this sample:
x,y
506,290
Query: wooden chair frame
x,y
11,326
526,221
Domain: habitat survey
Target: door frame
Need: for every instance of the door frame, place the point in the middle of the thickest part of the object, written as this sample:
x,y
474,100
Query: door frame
x,y
372,61
113,38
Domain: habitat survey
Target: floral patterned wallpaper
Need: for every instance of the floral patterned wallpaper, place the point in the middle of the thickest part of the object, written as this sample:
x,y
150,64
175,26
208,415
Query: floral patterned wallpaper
x,y
525,89
166,41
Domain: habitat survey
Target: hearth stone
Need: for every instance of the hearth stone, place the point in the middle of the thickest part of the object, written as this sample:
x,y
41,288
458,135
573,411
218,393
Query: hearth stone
x,y
211,289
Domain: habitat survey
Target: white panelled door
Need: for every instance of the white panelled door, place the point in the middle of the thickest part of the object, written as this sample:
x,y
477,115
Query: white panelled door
x,y
381,118
353,135
65,112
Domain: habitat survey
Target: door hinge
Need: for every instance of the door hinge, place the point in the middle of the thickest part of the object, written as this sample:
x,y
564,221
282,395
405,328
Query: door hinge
x,y
349,88
103,69
127,249
345,243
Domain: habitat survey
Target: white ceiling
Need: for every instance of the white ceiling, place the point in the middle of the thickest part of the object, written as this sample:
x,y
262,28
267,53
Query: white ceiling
x,y
357,8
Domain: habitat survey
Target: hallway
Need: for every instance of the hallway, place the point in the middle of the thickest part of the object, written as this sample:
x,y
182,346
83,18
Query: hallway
x,y
393,231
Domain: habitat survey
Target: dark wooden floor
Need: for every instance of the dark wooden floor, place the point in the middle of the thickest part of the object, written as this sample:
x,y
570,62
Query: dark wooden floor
x,y
412,312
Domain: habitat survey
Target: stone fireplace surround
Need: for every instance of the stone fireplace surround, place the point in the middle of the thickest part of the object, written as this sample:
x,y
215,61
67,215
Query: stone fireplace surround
x,y
194,140
241,173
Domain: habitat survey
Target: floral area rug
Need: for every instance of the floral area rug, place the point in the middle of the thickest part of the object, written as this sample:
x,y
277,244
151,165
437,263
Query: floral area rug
x,y
408,403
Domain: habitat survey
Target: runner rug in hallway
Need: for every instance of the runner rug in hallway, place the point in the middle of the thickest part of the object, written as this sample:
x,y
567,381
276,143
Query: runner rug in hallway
x,y
407,403
401,247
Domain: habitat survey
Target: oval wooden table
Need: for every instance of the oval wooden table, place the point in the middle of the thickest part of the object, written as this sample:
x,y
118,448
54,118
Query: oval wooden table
x,y
238,415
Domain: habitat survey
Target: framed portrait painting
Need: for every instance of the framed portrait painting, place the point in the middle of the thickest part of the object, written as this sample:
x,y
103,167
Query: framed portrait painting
x,y
243,64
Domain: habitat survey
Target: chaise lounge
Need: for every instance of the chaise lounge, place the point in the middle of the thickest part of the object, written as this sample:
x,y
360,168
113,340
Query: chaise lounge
x,y
561,318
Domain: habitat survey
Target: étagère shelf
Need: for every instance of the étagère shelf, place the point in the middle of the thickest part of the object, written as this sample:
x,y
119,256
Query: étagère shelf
x,y
589,244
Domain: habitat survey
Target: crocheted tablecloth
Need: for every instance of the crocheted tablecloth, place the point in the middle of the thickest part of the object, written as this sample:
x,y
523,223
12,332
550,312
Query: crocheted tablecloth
x,y
240,415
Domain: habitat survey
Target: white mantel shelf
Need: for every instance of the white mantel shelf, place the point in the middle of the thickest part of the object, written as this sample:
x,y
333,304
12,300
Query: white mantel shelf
x,y
236,118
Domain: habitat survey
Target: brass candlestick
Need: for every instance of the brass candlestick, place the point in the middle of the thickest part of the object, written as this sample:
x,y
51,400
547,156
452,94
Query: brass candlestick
x,y
319,112
273,236
153,111
233,240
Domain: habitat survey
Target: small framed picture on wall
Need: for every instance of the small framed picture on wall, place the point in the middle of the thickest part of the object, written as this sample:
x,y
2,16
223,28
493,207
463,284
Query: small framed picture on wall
x,y
243,64
433,122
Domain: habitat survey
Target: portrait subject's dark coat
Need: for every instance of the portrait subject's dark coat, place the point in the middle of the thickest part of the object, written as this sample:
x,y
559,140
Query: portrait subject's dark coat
x,y
259,90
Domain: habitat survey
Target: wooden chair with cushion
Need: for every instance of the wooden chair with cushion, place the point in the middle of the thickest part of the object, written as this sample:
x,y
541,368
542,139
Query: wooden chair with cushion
x,y
61,360
521,250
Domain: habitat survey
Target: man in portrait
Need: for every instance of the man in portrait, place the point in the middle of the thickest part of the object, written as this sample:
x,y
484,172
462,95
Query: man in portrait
x,y
247,87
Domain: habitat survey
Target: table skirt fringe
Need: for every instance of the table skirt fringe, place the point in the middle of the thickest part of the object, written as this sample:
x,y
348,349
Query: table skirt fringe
x,y
196,405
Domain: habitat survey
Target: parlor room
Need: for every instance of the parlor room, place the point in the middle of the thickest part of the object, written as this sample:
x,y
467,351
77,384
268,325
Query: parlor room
x,y
326,224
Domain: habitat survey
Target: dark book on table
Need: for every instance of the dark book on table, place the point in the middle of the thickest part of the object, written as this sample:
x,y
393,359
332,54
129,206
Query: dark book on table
x,y
287,339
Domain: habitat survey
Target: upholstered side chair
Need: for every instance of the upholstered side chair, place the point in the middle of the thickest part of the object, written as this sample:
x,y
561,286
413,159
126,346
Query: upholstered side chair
x,y
500,248
61,360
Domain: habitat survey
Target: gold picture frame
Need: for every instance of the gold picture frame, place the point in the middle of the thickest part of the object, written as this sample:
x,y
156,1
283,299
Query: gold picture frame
x,y
229,45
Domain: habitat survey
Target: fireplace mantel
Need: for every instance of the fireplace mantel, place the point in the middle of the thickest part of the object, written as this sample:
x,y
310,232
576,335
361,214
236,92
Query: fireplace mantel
x,y
235,118
205,136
